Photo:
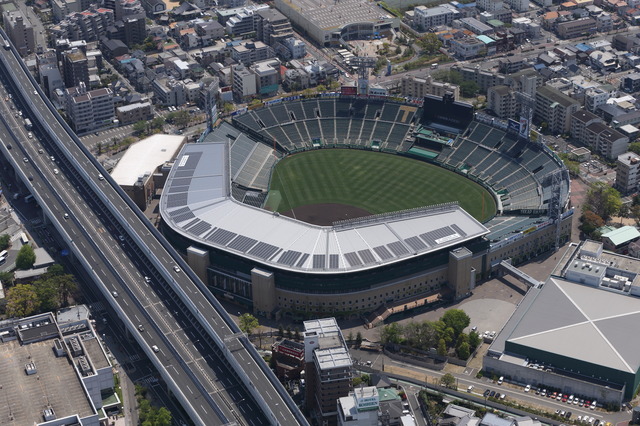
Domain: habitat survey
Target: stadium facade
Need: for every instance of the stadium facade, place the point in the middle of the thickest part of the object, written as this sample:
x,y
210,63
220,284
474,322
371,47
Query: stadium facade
x,y
275,265
574,334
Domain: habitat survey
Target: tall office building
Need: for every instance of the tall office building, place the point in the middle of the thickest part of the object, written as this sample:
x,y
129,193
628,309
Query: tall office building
x,y
20,31
328,369
75,68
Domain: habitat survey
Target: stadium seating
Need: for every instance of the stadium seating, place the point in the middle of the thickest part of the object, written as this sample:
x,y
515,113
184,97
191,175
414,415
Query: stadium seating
x,y
310,107
389,111
295,108
343,108
327,108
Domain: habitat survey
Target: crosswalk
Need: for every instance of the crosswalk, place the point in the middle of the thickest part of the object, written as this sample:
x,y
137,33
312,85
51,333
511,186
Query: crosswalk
x,y
134,358
148,380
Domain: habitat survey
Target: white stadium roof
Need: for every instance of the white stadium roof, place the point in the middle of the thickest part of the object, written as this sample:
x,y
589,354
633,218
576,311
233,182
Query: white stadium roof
x,y
197,204
145,156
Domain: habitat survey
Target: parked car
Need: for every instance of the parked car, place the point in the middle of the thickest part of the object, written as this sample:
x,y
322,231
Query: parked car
x,y
527,388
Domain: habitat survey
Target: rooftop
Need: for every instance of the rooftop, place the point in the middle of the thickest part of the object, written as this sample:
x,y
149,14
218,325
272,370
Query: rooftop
x,y
332,16
145,156
581,322
196,203
622,235
55,384
556,96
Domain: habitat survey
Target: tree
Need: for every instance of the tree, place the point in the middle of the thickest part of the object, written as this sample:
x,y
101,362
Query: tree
x,y
430,43
350,337
163,417
635,147
442,347
140,127
289,333
590,222
358,339
469,89
248,323
99,147
474,340
228,107
182,118
55,269
65,285
47,295
22,300
603,200
391,333
296,334
157,123
448,381
463,350
5,241
26,257
456,319
280,330
6,278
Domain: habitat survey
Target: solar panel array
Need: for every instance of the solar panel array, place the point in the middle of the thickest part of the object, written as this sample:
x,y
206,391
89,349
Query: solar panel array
x,y
431,236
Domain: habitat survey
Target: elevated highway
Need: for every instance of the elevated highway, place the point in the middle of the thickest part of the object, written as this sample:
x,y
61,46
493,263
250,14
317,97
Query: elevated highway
x,y
209,365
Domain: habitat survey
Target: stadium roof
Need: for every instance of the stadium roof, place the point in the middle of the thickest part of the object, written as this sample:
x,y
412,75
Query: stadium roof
x,y
196,203
145,157
335,15
581,322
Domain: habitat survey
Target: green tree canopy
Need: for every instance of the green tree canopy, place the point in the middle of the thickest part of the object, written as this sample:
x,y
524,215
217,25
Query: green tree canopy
x,y
391,333
469,89
603,200
140,127
248,323
456,319
463,350
635,147
590,222
442,347
6,278
26,257
182,118
430,43
474,340
5,241
22,301
448,381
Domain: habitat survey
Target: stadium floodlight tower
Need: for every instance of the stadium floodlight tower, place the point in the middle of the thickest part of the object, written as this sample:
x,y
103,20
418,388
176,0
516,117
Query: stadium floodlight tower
x,y
363,64
554,179
527,106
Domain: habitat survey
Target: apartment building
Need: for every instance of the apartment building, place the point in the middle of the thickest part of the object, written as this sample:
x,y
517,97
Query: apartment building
x,y
244,82
250,52
328,368
416,87
576,28
467,48
430,17
132,113
89,110
554,108
502,101
606,141
20,31
169,92
75,68
628,172
272,27
88,25
267,74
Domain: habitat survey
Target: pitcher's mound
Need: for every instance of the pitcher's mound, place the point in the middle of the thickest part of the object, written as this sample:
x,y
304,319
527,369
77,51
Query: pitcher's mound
x,y
325,214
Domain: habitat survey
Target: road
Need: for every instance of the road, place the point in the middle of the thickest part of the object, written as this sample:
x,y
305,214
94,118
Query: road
x,y
114,243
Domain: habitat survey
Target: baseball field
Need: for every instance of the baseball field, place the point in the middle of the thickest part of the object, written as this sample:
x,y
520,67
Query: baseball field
x,y
325,185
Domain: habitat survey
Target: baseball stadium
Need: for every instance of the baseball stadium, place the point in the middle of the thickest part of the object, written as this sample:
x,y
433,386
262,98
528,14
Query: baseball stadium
x,y
353,205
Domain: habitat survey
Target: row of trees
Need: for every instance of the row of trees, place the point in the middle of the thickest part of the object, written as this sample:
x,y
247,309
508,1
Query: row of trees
x,y
150,415
53,290
446,334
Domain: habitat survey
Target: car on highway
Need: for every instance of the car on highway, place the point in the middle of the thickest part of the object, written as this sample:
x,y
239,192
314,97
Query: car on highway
x,y
177,269
30,135
9,146
25,159
140,327
100,177
114,293
56,171
66,216
147,279
30,178
52,158
155,349
40,151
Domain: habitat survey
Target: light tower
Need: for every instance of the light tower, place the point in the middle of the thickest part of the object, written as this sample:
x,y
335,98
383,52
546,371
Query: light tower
x,y
363,64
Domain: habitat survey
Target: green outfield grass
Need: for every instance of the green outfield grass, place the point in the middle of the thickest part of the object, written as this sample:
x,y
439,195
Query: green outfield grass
x,y
372,181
